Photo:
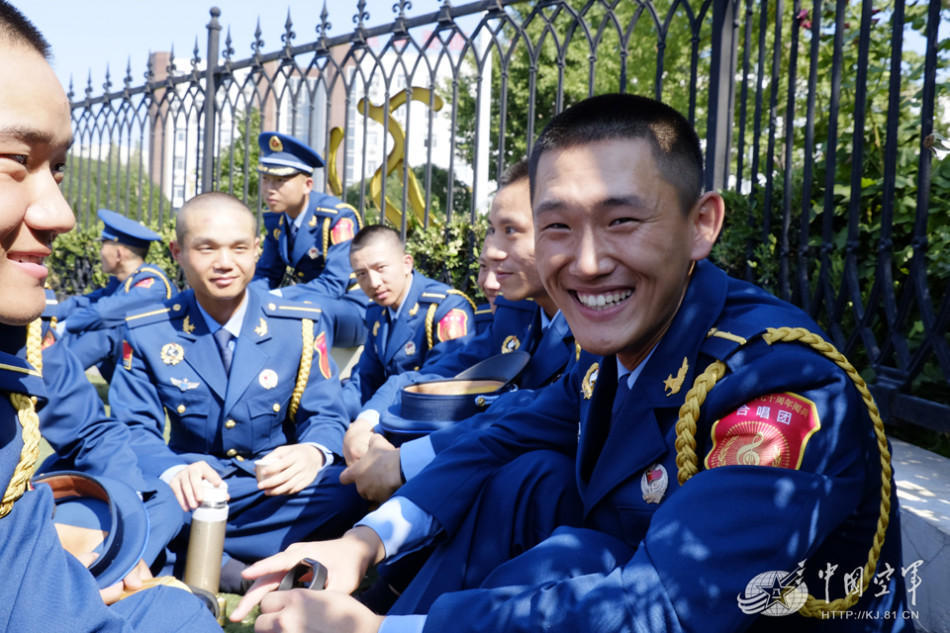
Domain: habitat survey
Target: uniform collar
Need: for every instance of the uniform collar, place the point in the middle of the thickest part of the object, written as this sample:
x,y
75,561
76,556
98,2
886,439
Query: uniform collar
x,y
234,323
394,314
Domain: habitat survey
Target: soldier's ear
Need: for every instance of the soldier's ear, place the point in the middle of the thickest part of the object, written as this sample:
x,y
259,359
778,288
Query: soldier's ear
x,y
705,220
407,258
175,250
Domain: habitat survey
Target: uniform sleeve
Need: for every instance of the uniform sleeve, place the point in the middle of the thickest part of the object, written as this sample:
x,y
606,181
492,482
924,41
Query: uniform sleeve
x,y
702,546
334,279
369,373
270,267
146,287
134,399
76,425
321,418
447,487
66,307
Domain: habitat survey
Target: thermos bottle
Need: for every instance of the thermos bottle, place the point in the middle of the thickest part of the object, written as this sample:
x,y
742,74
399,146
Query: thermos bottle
x,y
206,542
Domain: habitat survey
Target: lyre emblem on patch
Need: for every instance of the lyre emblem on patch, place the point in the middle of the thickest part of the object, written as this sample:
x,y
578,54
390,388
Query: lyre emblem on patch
x,y
261,329
187,325
275,144
172,353
673,385
590,379
510,344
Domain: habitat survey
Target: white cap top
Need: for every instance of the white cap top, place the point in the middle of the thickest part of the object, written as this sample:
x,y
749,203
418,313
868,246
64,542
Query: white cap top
x,y
214,495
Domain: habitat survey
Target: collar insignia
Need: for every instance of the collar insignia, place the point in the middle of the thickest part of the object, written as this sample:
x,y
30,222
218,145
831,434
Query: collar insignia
x,y
261,329
590,379
415,309
672,385
187,325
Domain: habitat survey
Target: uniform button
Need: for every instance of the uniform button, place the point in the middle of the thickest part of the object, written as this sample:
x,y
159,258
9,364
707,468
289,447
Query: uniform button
x,y
271,306
176,307
300,275
276,407
230,424
239,458
231,452
181,408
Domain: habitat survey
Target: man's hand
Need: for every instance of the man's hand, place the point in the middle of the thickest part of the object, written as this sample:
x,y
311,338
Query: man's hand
x,y
346,559
306,611
289,469
377,474
356,440
130,584
187,486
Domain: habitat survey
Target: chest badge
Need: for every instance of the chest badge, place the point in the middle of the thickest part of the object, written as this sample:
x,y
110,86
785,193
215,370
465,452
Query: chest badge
x,y
673,385
653,483
172,353
590,379
510,344
410,348
184,384
267,378
313,253
261,329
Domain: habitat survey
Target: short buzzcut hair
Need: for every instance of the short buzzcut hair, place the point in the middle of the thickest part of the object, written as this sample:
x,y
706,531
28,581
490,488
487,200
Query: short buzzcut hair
x,y
607,117
514,173
218,198
374,232
16,29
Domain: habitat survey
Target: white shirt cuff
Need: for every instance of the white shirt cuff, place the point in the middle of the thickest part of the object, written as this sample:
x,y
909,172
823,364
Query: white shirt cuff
x,y
327,454
415,455
169,473
400,524
370,415
402,624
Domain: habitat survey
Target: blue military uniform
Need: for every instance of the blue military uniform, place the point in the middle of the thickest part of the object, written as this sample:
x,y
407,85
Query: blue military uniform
x,y
171,364
517,325
53,591
789,472
431,314
483,317
85,439
317,257
91,322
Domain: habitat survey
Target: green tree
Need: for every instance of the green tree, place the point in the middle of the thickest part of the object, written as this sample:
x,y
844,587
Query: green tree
x,y
237,163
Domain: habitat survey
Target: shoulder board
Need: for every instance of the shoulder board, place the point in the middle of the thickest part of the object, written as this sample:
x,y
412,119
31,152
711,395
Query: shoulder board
x,y
482,310
521,306
291,310
432,297
152,314
149,271
453,291
328,210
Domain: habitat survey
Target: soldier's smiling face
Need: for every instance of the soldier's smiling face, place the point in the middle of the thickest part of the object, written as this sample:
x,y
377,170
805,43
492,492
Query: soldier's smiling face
x,y
509,243
217,252
286,194
35,134
614,244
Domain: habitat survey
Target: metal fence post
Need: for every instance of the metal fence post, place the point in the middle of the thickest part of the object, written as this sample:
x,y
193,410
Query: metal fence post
x,y
721,91
207,153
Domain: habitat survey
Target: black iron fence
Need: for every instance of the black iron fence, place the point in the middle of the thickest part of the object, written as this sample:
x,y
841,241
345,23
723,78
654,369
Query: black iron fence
x,y
823,123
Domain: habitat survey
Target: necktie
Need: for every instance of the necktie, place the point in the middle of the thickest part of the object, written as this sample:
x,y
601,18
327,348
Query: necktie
x,y
623,392
222,337
291,234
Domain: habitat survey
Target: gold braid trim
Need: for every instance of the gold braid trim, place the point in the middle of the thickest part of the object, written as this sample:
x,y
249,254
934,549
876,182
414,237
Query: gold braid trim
x,y
453,291
430,319
326,236
29,420
687,462
303,372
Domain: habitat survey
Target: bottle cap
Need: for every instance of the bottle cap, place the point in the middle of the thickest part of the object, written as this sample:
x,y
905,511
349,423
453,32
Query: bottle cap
x,y
212,495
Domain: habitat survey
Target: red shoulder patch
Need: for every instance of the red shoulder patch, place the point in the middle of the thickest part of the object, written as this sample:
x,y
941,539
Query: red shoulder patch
x,y
342,231
126,355
48,339
770,430
323,357
145,283
453,325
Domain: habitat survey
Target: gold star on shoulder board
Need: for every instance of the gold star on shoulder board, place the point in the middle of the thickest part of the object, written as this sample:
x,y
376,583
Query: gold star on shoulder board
x,y
187,325
673,385
261,329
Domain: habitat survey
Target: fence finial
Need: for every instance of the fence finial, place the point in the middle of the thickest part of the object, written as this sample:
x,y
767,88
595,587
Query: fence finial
x,y
258,43
288,34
